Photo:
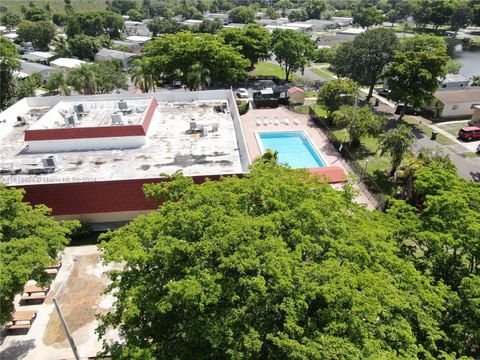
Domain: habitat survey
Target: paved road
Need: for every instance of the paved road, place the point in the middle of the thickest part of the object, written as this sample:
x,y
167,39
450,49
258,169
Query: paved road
x,y
467,167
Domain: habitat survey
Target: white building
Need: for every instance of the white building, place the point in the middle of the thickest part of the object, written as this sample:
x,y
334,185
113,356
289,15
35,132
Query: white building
x,y
123,57
66,63
453,81
458,103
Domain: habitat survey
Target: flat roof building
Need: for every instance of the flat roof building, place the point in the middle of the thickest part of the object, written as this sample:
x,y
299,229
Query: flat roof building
x,y
123,57
66,63
87,157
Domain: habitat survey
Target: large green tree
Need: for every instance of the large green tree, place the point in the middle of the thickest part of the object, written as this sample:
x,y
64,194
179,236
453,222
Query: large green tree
x,y
173,55
337,93
9,63
314,8
253,41
416,67
10,20
83,46
39,33
242,14
274,265
365,58
367,17
292,50
95,23
29,241
395,143
358,121
99,78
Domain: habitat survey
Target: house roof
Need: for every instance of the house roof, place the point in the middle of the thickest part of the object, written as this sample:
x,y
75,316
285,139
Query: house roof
x,y
455,78
461,95
294,89
114,54
67,62
30,68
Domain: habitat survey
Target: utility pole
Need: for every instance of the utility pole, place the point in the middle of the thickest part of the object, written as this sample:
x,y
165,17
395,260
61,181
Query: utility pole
x,y
67,332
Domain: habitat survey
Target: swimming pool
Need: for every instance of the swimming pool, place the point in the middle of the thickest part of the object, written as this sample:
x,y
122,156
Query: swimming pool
x,y
294,148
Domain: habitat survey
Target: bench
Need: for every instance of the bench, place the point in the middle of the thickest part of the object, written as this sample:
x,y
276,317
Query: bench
x,y
26,317
33,297
56,267
33,288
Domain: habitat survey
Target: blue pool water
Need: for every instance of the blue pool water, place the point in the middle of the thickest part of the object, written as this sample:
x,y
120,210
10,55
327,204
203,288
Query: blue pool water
x,y
294,148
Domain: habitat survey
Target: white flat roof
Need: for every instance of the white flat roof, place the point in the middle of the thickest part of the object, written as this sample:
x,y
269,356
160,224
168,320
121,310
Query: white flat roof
x,y
43,54
352,31
138,38
67,62
97,113
170,145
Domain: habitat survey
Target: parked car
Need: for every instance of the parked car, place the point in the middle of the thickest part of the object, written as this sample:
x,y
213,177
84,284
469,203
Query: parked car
x,y
410,110
384,92
242,93
469,133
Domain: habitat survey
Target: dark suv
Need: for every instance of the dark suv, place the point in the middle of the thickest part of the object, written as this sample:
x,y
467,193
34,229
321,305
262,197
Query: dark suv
x,y
469,133
410,110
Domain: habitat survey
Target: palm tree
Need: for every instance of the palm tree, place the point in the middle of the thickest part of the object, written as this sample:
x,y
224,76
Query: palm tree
x,y
475,80
83,79
395,143
197,77
142,74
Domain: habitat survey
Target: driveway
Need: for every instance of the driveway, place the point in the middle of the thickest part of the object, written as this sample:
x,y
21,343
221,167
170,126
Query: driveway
x,y
460,152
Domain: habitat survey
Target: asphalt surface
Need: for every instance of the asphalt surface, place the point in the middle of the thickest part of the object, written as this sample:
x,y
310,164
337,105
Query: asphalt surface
x,y
467,167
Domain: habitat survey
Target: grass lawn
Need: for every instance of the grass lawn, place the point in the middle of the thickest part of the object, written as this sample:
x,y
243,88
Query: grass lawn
x,y
57,5
320,110
376,164
453,128
269,69
441,139
470,154
321,73
311,94
321,64
302,109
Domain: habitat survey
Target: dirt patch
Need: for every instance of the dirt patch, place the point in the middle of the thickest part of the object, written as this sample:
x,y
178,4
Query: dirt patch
x,y
79,301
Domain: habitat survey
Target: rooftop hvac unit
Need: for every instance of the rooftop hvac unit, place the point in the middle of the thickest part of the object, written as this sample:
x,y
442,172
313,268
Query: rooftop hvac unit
x,y
117,119
49,161
79,109
71,120
123,106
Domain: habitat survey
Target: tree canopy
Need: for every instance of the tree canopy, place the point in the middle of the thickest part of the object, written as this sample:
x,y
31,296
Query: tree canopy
x,y
29,241
367,17
242,14
9,63
253,41
365,58
292,50
413,74
280,265
39,33
173,55
336,93
95,23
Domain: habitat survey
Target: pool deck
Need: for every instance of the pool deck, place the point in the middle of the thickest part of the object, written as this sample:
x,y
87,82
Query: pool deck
x,y
250,127
336,169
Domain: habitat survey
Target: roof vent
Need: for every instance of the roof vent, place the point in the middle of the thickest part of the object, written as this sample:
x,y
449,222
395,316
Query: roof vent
x,y
79,109
49,161
123,106
117,119
71,120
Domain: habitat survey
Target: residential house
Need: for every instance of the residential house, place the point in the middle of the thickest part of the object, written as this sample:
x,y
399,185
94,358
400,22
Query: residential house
x,y
123,57
30,68
66,63
453,81
42,57
458,103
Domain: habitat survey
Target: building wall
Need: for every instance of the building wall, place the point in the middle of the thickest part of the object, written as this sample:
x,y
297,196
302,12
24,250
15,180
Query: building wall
x,y
464,109
298,97
123,142
453,85
98,201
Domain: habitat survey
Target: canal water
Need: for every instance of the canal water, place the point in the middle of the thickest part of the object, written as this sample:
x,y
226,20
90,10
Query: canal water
x,y
470,60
